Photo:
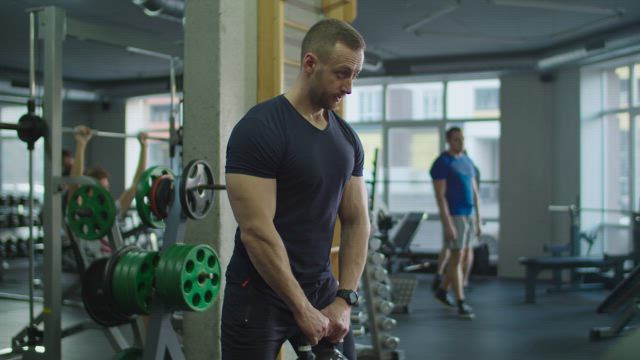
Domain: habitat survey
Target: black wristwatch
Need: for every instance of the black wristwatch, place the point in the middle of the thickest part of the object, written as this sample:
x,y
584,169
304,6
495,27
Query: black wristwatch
x,y
350,296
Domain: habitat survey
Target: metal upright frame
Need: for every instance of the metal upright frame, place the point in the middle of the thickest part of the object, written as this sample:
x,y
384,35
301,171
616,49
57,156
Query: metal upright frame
x,y
53,27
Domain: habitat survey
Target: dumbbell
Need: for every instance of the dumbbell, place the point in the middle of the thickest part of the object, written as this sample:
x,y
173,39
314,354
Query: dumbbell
x,y
384,307
387,324
381,274
324,351
358,317
374,244
10,220
23,200
382,290
376,258
10,248
389,342
22,246
358,331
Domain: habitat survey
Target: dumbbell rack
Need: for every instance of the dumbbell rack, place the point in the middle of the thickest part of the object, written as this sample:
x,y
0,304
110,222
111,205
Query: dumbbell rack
x,y
27,339
377,296
14,241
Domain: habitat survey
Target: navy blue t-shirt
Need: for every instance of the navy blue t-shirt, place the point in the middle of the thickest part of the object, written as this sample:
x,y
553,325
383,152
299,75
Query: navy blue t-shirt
x,y
311,168
458,171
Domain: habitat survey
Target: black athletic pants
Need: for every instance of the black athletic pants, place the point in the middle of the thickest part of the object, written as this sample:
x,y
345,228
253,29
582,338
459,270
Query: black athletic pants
x,y
255,322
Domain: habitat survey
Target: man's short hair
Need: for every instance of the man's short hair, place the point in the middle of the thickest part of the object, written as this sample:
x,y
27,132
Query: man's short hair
x,y
66,153
98,173
324,35
451,130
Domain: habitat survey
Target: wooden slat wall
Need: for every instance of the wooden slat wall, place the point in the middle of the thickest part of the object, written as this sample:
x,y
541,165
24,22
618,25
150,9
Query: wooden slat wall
x,y
270,48
299,16
281,28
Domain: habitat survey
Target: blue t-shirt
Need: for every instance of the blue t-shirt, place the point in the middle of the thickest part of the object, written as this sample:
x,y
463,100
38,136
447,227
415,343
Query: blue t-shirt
x,y
311,168
458,171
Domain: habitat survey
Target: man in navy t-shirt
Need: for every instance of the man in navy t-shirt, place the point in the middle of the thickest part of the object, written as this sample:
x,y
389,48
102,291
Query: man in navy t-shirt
x,y
293,165
456,190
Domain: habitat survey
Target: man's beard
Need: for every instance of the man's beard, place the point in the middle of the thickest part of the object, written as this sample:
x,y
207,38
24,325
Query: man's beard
x,y
322,99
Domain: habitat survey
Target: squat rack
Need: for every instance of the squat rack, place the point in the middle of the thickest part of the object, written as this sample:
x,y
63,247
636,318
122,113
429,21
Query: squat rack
x,y
53,26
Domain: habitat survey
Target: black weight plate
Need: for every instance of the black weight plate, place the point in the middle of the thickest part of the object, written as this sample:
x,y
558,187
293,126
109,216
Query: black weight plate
x,y
196,202
99,307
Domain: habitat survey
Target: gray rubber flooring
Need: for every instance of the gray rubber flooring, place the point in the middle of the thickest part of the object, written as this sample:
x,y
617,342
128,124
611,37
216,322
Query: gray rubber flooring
x,y
557,327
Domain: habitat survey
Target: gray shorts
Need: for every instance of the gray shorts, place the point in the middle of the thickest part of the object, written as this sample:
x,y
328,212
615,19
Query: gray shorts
x,y
466,229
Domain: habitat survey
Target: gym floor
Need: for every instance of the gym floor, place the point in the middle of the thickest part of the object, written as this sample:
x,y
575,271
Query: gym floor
x,y
557,327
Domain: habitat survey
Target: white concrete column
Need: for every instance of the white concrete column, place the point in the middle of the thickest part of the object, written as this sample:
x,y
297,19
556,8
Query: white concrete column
x,y
525,170
219,87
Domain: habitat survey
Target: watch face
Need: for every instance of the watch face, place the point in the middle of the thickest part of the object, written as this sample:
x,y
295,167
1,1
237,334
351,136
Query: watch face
x,y
353,298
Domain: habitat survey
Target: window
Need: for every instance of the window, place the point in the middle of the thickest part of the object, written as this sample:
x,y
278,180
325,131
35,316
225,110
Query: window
x,y
419,101
635,202
616,159
160,113
371,139
610,188
616,88
636,85
364,104
411,153
409,131
473,99
486,98
150,114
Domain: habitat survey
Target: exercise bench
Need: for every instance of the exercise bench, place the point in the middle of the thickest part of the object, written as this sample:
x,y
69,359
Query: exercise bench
x,y
534,265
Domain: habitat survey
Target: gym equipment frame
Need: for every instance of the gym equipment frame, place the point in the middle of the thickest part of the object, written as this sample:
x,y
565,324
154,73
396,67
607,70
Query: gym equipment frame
x,y
53,26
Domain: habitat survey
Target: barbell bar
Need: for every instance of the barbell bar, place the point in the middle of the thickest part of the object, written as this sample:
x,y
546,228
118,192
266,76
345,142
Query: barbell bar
x,y
116,135
209,187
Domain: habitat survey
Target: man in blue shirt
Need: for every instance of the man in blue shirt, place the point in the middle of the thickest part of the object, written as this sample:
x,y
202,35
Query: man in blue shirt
x,y
456,190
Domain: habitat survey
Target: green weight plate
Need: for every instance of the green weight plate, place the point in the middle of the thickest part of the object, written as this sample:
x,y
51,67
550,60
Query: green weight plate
x,y
143,193
111,269
128,354
168,283
91,212
133,281
188,276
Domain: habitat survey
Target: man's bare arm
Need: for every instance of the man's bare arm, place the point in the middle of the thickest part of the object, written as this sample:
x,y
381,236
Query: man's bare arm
x,y
476,204
440,188
355,229
126,198
253,201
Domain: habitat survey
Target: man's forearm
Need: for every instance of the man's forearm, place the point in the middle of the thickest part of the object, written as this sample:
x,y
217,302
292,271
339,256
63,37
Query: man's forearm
x,y
353,253
476,205
78,164
142,164
443,207
269,256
